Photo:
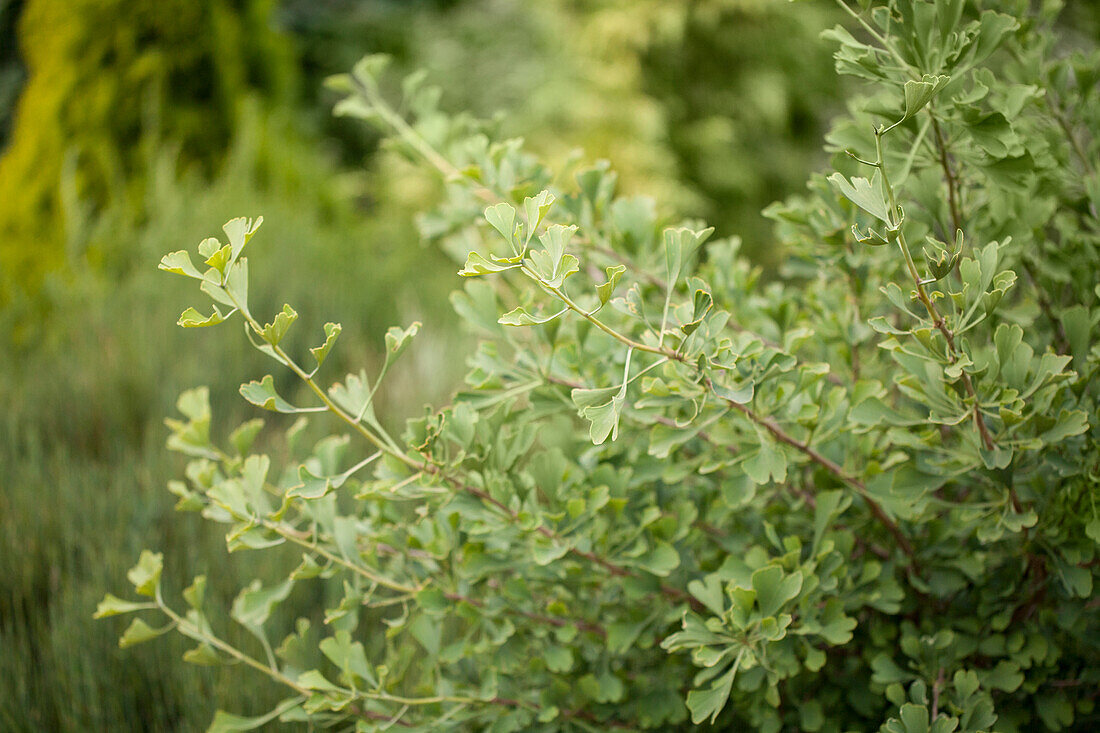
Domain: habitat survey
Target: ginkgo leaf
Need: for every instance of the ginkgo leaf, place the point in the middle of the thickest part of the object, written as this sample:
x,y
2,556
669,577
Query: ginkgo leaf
x,y
520,317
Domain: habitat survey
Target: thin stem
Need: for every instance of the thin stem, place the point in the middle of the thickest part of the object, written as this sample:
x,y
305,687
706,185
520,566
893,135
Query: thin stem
x,y
193,631
948,176
831,466
922,295
571,305
320,550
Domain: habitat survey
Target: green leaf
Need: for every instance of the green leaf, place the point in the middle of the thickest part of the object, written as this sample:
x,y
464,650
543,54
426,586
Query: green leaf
x,y
263,394
139,632
535,210
253,606
966,683
113,606
191,318
314,680
350,657
558,659
679,245
520,317
242,438
219,259
194,404
811,715
228,723
312,486
886,671
354,395
661,560
1078,324
274,332
428,632
774,588
604,420
605,291
603,417
710,593
179,263
709,702
544,552
830,504
332,332
369,69
834,627
583,398
911,718
694,634
553,265
766,463
868,195
1005,676
478,265
398,339
203,655
195,593
146,574
622,635
700,307
740,394
239,231
502,217
433,600
920,93
555,239
209,247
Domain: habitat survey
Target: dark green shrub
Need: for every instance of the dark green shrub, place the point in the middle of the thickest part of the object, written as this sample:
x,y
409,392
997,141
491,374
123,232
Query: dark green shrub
x,y
863,494
103,75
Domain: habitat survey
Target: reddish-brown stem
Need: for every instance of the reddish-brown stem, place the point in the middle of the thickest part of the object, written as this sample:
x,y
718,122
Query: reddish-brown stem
x,y
783,437
949,179
953,356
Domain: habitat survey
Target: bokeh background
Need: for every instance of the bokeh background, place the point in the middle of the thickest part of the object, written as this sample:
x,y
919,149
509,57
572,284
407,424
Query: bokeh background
x,y
129,128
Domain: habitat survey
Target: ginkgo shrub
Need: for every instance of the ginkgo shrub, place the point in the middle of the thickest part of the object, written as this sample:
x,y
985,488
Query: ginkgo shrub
x,y
858,492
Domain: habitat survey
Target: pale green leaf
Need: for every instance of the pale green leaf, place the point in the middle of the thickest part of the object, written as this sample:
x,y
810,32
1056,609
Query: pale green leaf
x,y
520,317
478,265
146,574
605,290
203,655
179,263
502,217
263,395
866,194
139,632
332,332
191,318
112,606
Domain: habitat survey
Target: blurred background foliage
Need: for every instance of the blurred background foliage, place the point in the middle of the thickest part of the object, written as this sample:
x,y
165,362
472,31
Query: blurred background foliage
x,y
131,127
